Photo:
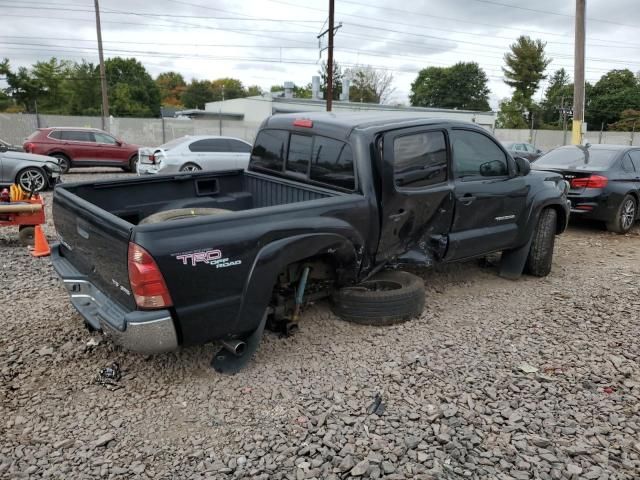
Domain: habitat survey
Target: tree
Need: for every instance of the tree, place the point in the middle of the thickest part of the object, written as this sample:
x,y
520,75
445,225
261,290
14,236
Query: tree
x,y
511,114
337,80
559,90
253,91
132,91
171,86
298,92
226,89
84,89
616,91
525,66
197,93
461,86
369,85
629,120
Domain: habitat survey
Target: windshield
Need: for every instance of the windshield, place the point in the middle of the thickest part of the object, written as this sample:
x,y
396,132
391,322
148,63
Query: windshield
x,y
582,158
173,143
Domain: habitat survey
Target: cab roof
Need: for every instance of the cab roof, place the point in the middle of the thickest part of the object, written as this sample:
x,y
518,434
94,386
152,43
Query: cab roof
x,y
341,124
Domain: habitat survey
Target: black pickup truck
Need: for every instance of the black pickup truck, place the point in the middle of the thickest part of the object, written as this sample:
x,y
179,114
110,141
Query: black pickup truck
x,y
331,204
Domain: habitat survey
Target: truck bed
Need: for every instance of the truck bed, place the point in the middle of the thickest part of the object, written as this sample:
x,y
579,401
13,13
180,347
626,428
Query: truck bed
x,y
133,200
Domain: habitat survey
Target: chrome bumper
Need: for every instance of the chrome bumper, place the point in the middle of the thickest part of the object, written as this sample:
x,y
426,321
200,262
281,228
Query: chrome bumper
x,y
139,331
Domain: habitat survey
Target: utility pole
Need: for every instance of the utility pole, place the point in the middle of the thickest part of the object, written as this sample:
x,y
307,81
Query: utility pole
x,y
578,73
103,76
330,58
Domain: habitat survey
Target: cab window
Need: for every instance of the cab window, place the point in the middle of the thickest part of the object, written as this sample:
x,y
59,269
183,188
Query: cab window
x,y
476,155
420,159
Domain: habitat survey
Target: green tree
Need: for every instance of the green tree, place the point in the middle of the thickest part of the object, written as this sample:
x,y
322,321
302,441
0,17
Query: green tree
x,y
615,92
337,80
171,86
559,91
84,91
525,66
227,89
132,91
510,114
197,94
369,85
253,91
629,120
461,86
298,92
5,101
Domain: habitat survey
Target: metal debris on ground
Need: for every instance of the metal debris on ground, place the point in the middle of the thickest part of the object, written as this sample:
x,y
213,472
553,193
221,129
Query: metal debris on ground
x,y
109,376
377,406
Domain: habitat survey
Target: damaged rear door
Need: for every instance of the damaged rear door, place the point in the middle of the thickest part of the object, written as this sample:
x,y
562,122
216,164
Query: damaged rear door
x,y
417,196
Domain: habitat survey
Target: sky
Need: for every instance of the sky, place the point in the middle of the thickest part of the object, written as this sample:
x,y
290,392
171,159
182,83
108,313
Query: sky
x,y
267,42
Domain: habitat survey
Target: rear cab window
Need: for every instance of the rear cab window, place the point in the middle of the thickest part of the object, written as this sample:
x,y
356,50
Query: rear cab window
x,y
314,158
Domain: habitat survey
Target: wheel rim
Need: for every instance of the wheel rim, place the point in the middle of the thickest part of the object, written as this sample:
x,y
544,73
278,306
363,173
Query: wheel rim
x,y
190,168
62,162
32,180
628,215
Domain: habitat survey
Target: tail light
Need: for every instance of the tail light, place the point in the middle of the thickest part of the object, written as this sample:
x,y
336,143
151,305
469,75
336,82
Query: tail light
x,y
152,159
28,147
147,283
593,181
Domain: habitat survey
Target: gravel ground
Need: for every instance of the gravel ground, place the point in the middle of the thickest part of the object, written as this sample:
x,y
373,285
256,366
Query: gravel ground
x,y
535,378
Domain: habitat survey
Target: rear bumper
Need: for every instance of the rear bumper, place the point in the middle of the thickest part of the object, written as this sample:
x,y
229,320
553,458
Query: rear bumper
x,y
138,331
594,207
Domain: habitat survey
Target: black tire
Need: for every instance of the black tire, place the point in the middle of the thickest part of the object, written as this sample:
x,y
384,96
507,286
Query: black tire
x,y
190,167
27,176
26,234
133,162
387,298
625,216
541,252
180,213
63,161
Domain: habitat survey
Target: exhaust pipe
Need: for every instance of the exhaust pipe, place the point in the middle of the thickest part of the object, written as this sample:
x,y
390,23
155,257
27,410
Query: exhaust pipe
x,y
237,347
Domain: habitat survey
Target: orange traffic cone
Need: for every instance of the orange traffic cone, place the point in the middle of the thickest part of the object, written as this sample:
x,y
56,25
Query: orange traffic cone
x,y
41,247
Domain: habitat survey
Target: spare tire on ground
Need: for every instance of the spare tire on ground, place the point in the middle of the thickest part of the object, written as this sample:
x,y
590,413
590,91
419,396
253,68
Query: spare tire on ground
x,y
386,298
180,213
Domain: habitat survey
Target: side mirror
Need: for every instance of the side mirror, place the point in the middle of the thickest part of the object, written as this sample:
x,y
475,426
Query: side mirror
x,y
4,148
539,152
119,142
523,166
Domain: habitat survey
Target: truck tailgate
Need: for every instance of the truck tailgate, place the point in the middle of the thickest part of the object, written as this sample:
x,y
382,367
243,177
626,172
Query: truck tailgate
x,y
95,242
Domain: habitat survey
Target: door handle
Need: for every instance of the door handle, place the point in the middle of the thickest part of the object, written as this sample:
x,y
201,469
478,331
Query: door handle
x,y
396,217
467,199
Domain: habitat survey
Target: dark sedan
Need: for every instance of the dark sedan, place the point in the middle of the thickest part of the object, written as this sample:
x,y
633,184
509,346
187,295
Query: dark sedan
x,y
604,180
522,149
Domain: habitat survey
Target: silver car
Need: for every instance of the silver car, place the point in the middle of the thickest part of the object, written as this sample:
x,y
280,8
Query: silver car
x,y
33,173
192,153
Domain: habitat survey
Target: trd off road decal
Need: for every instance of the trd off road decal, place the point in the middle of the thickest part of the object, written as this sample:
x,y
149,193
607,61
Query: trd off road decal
x,y
211,257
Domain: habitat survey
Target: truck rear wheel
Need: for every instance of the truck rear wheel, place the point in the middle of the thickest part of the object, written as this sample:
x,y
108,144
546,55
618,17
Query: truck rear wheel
x,y
386,298
541,252
180,213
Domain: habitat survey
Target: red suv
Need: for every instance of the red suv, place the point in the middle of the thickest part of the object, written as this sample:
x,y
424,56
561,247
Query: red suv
x,y
82,147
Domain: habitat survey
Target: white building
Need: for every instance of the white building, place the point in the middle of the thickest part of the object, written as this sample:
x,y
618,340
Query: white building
x,y
248,113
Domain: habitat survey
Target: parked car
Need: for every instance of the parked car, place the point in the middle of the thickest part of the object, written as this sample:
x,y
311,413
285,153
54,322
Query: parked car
x,y
9,147
32,172
193,153
524,150
82,147
327,204
604,180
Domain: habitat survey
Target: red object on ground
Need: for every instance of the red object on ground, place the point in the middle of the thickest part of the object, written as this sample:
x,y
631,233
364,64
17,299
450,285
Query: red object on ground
x,y
41,247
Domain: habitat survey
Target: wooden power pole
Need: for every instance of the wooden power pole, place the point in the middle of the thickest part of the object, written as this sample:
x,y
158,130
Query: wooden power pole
x,y
330,58
578,73
103,76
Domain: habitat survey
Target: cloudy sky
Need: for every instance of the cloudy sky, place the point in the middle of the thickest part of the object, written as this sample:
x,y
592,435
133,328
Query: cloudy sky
x,y
267,42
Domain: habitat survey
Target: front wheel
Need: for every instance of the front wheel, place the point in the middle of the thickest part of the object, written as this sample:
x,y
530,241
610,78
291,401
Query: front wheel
x,y
625,216
32,179
544,238
190,167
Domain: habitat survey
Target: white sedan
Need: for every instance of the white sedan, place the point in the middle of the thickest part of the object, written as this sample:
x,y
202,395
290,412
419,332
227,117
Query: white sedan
x,y
192,153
